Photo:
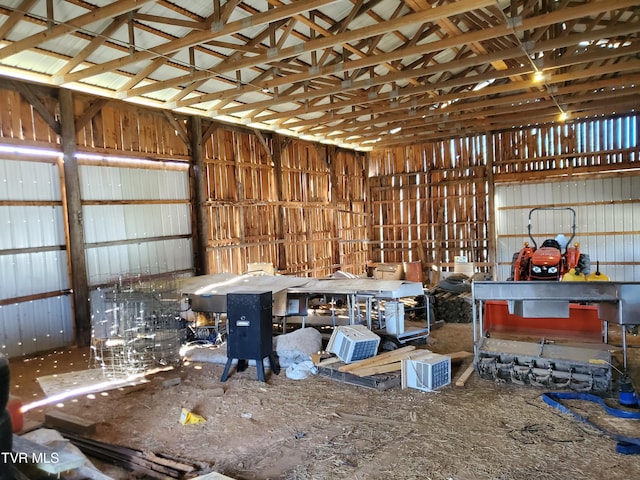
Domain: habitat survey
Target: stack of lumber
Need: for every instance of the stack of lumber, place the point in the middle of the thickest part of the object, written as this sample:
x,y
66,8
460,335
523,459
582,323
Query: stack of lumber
x,y
147,464
391,361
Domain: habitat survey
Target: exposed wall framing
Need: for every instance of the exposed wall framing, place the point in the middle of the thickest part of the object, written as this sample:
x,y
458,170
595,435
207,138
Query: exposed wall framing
x,y
435,201
283,202
599,145
349,195
429,203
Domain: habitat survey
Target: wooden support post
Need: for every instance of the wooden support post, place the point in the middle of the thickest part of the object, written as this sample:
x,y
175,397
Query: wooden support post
x,y
199,218
331,158
491,224
73,201
277,163
366,160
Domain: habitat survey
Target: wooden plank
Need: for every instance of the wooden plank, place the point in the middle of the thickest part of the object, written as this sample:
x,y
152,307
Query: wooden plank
x,y
464,377
328,361
70,423
458,356
27,121
376,369
383,358
397,364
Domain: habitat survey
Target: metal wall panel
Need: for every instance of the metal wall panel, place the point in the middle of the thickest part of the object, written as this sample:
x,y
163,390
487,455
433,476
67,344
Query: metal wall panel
x,y
31,226
107,264
119,183
35,326
33,273
108,223
124,217
29,180
33,259
607,221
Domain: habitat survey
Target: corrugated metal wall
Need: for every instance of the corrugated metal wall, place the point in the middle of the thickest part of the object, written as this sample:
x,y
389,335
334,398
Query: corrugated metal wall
x,y
35,307
607,221
137,221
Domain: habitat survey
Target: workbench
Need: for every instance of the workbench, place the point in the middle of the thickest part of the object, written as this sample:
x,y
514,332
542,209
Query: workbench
x,y
208,293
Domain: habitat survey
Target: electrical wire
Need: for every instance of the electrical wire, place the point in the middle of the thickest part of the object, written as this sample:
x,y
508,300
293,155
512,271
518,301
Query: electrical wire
x,y
510,24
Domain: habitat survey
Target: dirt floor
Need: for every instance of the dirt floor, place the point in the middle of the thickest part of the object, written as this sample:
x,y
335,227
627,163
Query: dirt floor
x,y
319,428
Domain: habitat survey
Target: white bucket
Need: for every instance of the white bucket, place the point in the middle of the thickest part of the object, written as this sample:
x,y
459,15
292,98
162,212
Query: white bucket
x,y
394,317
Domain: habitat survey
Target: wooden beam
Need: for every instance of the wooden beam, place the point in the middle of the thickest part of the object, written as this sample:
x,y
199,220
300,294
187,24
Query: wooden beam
x,y
278,147
198,37
15,17
491,107
471,37
75,221
465,376
514,52
36,296
199,211
170,21
140,76
263,142
320,43
213,126
28,94
446,10
69,423
116,8
488,92
195,77
97,41
329,41
94,107
179,128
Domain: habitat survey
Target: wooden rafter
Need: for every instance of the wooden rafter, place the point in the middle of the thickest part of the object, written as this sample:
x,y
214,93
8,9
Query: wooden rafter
x,y
337,70
29,95
110,11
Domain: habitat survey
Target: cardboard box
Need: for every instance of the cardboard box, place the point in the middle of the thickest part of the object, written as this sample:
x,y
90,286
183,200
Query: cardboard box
x,y
389,271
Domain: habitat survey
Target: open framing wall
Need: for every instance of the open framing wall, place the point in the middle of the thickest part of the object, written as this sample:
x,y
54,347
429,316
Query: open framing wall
x,y
435,201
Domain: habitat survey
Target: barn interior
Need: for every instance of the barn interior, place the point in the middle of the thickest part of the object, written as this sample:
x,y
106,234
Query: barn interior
x,y
320,239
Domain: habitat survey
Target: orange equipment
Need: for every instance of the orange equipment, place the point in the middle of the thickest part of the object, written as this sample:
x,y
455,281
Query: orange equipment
x,y
549,262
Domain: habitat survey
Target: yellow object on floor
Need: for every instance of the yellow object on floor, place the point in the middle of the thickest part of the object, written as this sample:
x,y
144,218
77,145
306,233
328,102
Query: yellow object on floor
x,y
190,418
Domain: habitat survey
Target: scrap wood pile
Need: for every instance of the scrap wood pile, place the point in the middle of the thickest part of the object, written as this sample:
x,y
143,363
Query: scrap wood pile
x,y
388,362
149,464
452,299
